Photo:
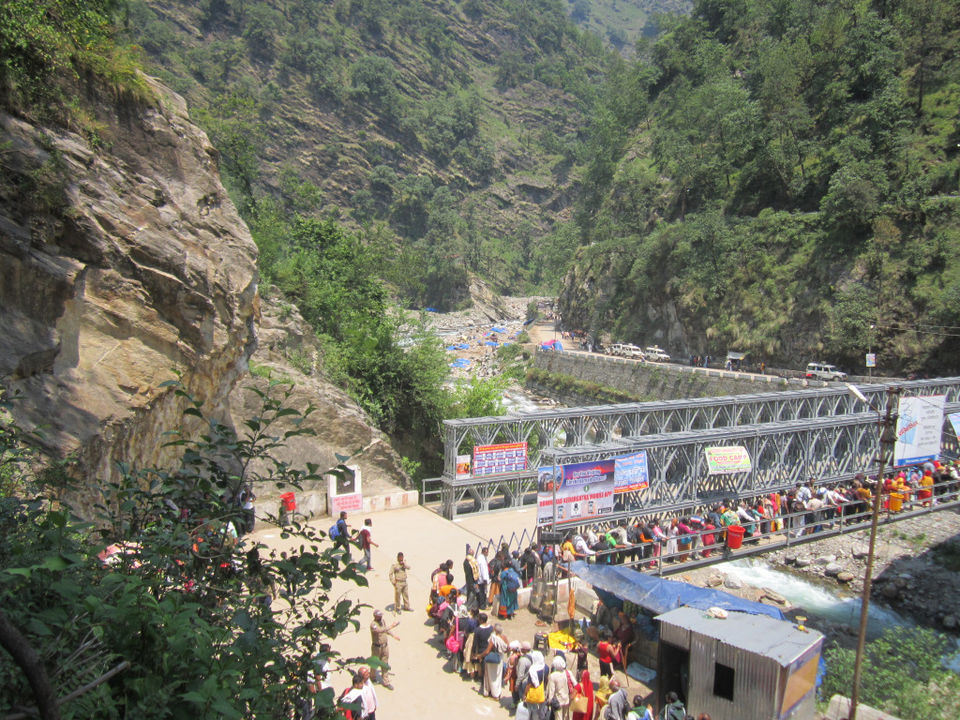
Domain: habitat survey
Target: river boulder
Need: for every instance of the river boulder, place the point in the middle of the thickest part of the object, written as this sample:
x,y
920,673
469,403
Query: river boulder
x,y
732,582
775,596
833,569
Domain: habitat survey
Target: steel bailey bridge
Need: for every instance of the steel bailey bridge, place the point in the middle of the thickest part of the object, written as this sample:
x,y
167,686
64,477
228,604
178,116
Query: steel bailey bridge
x,y
824,433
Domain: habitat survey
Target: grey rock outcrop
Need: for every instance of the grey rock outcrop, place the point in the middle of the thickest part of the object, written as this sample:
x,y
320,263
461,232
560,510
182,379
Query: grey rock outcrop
x,y
118,264
339,425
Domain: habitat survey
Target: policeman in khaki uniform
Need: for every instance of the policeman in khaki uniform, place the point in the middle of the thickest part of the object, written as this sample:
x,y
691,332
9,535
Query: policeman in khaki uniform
x,y
379,648
398,577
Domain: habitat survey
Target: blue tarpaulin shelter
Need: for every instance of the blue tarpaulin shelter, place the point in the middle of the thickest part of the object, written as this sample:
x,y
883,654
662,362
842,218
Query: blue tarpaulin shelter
x,y
491,343
552,345
498,329
659,596
460,363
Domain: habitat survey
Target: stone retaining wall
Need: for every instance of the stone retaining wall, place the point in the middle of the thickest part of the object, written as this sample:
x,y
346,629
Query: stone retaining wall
x,y
662,382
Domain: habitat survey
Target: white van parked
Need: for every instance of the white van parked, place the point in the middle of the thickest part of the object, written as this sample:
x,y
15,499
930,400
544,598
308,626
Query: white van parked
x,y
655,352
824,371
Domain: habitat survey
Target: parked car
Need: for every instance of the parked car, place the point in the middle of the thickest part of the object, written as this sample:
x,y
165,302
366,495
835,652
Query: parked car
x,y
824,371
626,350
656,353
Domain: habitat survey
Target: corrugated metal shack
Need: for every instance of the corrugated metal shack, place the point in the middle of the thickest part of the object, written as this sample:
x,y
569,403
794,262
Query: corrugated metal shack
x,y
742,667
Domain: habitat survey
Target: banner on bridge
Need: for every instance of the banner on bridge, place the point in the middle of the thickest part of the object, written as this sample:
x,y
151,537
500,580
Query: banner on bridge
x,y
919,425
727,460
584,492
631,472
498,459
955,421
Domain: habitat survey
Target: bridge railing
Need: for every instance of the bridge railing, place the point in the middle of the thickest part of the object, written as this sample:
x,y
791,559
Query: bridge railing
x,y
432,491
792,529
514,541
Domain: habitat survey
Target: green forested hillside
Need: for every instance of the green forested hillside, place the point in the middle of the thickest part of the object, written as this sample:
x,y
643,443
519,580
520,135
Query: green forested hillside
x,y
622,22
780,178
447,133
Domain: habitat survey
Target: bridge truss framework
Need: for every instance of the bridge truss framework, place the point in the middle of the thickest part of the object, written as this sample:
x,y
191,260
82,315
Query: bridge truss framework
x,y
791,436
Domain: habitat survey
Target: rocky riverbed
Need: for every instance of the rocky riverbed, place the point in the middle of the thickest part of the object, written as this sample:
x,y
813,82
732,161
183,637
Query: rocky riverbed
x,y
915,566
915,576
469,331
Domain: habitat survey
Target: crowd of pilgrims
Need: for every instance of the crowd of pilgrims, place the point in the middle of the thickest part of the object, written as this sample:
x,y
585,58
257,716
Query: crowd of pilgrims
x,y
804,509
466,615
538,688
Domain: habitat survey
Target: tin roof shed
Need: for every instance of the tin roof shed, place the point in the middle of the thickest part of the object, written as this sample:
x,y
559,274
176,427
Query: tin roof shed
x,y
742,667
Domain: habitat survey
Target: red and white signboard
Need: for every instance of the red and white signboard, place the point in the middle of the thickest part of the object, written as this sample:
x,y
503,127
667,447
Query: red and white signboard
x,y
344,491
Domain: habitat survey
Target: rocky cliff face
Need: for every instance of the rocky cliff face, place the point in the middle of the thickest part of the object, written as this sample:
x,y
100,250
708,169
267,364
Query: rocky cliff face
x,y
593,296
339,424
121,260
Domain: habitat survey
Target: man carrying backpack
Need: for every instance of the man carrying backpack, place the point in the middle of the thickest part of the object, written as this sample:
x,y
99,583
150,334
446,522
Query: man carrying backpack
x,y
340,534
674,709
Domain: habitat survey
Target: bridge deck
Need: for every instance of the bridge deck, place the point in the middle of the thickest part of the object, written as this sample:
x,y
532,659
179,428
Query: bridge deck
x,y
842,523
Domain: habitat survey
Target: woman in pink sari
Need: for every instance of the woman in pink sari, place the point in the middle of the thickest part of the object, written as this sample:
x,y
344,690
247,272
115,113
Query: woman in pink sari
x,y
585,688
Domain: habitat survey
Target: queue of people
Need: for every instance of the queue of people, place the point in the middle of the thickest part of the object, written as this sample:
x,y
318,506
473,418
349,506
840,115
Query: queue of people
x,y
535,683
805,509
468,612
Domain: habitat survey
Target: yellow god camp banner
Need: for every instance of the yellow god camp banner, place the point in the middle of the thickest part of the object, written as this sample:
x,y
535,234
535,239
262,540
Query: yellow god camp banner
x,y
727,460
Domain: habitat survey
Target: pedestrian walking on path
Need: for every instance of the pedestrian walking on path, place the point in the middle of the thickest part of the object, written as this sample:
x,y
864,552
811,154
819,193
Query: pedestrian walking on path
x,y
366,541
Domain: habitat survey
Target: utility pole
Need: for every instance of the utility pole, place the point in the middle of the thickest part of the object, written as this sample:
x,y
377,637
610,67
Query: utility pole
x,y
888,437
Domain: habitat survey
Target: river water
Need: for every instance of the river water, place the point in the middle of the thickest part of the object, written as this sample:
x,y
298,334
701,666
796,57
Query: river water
x,y
517,401
816,600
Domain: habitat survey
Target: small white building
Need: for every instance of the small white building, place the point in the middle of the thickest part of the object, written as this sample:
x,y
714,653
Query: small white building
x,y
741,667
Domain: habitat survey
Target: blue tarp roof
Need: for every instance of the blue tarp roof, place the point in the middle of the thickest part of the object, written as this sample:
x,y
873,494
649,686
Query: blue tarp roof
x,y
491,343
659,596
460,363
498,329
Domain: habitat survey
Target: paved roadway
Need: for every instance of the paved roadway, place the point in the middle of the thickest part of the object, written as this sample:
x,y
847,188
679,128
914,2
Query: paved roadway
x,y
424,687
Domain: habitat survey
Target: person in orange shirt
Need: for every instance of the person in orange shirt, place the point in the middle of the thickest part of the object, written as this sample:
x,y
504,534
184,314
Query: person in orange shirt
x,y
926,488
447,586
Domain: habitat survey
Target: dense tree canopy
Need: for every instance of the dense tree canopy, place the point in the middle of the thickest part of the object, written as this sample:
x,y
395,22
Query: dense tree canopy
x,y
780,177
